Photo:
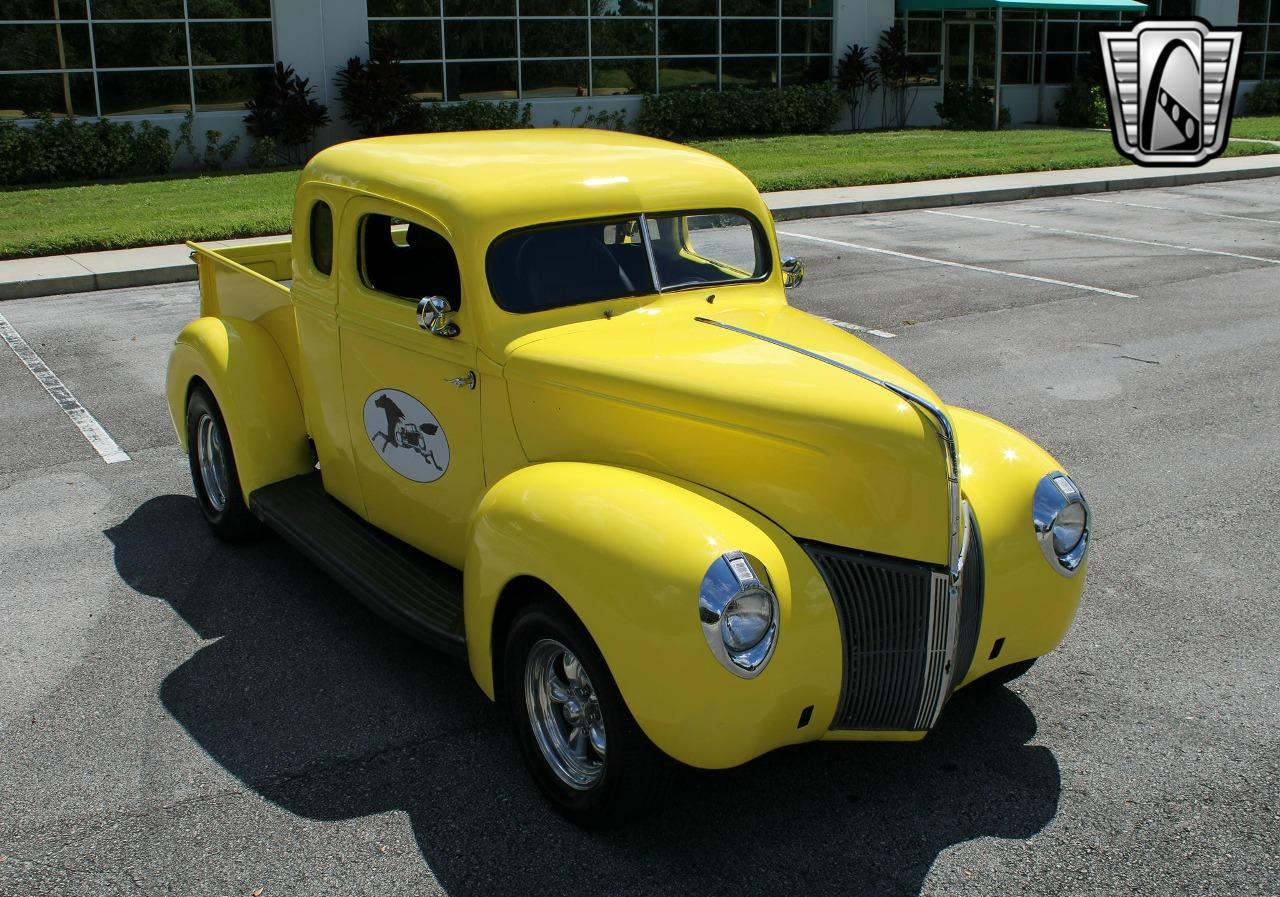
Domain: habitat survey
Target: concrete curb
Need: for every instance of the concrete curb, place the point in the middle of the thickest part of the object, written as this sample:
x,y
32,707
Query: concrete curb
x,y
117,269
90,281
114,269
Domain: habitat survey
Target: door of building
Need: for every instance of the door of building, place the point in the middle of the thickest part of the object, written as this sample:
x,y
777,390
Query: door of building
x,y
970,51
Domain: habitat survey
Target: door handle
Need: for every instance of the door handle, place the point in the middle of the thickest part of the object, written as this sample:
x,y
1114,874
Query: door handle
x,y
467,382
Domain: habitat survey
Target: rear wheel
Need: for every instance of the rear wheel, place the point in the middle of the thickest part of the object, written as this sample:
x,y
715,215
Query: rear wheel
x,y
213,470
581,744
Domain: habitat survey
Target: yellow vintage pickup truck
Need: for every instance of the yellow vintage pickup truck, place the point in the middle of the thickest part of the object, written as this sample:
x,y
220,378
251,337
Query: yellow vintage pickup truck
x,y
540,399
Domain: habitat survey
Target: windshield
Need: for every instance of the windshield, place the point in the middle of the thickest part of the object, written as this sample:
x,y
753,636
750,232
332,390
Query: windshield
x,y
591,261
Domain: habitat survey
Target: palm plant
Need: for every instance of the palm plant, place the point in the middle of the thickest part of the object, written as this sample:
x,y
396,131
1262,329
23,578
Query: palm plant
x,y
284,110
896,70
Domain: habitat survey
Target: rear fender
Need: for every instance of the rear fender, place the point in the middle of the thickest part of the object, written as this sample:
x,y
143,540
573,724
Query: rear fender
x,y
242,367
627,552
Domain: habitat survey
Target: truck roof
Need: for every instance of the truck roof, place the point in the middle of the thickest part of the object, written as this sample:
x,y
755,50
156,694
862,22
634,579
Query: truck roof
x,y
499,180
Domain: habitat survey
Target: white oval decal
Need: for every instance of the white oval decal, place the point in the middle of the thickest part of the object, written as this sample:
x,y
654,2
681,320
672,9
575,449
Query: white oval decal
x,y
406,435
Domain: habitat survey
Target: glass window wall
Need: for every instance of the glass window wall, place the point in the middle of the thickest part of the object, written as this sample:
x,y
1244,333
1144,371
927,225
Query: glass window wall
x,y
132,57
1260,25
550,48
1065,43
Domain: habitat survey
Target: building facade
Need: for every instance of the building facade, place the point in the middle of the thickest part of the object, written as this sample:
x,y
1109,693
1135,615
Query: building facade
x,y
158,59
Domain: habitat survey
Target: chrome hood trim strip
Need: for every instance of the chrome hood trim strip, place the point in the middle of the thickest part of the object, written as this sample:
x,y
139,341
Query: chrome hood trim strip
x,y
955,560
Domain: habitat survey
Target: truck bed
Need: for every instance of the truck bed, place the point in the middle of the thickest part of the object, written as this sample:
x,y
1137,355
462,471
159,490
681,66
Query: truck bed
x,y
251,283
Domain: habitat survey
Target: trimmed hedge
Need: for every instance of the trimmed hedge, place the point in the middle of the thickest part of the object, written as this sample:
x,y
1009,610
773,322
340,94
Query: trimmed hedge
x,y
1082,106
67,150
801,109
1264,99
967,107
473,115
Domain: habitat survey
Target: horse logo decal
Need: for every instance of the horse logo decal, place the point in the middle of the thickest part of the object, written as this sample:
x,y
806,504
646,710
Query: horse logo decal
x,y
406,435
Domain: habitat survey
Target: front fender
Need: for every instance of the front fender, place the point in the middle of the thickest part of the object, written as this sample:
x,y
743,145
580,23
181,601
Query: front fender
x,y
243,368
1026,602
627,551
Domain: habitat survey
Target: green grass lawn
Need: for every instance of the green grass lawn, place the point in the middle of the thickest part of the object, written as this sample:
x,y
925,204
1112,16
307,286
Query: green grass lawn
x,y
1258,127
47,221
53,220
841,160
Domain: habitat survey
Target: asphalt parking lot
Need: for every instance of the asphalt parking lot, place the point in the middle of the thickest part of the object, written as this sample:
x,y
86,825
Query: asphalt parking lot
x,y
181,716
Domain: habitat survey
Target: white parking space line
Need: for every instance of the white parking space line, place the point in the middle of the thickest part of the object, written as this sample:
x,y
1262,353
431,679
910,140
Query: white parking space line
x,y
1112,238
88,425
856,328
1142,205
951,264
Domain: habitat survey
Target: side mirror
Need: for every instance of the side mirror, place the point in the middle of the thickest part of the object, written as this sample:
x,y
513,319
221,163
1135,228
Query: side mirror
x,y
433,315
792,272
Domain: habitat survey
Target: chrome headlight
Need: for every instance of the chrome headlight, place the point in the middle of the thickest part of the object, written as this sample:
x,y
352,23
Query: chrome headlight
x,y
1061,518
739,614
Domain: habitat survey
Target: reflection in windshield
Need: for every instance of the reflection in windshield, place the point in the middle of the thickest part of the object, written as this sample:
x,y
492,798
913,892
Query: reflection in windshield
x,y
552,267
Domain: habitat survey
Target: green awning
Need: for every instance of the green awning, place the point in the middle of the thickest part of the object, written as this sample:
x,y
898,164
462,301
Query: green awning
x,y
1080,5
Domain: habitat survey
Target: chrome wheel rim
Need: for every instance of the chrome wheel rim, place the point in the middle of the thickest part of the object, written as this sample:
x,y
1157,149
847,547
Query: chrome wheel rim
x,y
213,462
564,712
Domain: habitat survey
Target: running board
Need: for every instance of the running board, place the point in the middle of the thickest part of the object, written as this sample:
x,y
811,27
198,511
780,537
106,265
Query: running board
x,y
410,589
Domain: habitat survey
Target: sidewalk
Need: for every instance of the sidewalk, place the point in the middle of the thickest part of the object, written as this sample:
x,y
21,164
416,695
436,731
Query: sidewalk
x,y
85,271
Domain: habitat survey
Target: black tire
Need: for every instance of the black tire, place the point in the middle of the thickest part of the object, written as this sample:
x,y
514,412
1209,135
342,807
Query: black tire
x,y
1005,675
635,776
219,493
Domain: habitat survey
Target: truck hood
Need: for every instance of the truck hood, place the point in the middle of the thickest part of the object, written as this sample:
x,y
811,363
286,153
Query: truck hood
x,y
826,454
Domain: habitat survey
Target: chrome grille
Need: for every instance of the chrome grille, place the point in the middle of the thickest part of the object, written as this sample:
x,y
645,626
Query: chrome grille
x,y
904,633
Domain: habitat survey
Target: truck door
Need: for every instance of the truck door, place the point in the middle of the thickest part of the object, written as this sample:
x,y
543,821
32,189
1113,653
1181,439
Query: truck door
x,y
412,396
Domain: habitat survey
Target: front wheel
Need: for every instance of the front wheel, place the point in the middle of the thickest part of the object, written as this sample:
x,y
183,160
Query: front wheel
x,y
213,470
579,741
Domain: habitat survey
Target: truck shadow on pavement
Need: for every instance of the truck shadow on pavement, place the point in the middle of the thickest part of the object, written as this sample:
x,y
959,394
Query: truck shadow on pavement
x,y
330,714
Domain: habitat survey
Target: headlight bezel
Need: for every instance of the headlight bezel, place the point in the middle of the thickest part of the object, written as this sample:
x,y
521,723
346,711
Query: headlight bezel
x,y
732,576
1055,493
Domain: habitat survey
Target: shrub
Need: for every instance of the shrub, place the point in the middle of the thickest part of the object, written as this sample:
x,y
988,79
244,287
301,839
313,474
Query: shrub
x,y
217,152
263,154
67,150
968,108
602,120
377,97
801,109
1082,106
284,110
1264,99
856,79
475,115
17,149
152,151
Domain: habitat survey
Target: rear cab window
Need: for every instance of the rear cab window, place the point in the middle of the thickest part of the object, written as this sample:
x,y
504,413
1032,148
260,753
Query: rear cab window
x,y
555,266
321,235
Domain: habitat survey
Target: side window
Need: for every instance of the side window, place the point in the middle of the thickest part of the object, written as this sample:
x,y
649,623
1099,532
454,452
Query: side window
x,y
322,238
408,260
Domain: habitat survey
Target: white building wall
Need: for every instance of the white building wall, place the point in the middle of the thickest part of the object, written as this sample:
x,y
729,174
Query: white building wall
x,y
860,22
1219,12
1224,13
317,37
